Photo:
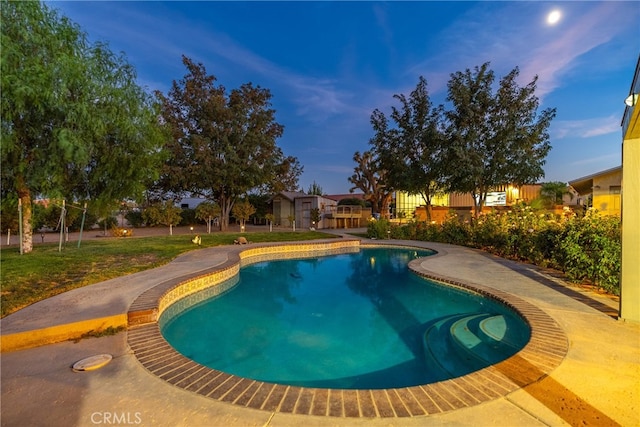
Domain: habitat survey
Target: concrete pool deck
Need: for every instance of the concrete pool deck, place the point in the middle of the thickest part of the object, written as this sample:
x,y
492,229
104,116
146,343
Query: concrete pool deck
x,y
597,382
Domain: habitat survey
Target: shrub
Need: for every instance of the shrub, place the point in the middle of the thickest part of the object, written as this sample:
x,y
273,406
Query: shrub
x,y
9,214
162,214
490,232
135,218
90,219
455,231
188,217
590,249
399,232
378,229
545,244
585,248
410,230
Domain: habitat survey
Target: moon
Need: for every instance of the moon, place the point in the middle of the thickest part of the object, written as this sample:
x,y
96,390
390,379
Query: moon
x,y
553,17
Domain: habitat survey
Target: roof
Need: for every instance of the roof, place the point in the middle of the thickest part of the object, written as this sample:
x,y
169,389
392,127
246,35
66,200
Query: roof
x,y
338,197
584,185
289,195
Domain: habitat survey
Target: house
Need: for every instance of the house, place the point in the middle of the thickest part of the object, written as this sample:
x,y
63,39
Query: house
x,y
601,190
283,207
291,205
304,204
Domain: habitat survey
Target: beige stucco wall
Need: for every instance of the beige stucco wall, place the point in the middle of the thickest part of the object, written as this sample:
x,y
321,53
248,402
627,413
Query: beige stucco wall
x,y
630,284
606,195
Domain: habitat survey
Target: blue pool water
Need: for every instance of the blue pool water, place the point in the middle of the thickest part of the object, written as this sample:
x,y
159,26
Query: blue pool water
x,y
354,321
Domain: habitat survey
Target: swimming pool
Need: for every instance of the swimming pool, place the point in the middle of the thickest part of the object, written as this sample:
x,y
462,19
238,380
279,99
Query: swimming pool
x,y
350,321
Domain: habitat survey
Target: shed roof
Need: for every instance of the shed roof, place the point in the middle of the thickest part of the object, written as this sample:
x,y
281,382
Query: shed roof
x,y
584,185
289,195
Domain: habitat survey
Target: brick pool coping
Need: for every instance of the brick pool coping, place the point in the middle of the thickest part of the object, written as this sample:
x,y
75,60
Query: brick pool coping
x,y
544,352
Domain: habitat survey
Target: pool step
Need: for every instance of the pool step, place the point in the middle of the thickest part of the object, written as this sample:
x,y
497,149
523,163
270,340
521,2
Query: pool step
x,y
482,337
497,328
460,344
443,359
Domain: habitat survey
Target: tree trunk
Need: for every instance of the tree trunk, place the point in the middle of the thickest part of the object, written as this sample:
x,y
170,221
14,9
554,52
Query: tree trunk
x,y
373,200
27,233
429,210
384,208
478,203
225,207
426,196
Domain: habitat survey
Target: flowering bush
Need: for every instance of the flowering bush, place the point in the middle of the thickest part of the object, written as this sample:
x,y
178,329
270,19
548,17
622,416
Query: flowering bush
x,y
589,248
586,248
455,231
378,228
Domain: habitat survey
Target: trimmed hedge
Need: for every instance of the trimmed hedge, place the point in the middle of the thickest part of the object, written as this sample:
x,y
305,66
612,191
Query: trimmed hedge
x,y
586,248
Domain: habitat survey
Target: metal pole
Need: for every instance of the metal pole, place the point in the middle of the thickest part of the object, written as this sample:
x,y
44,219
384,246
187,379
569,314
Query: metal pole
x,y
20,225
84,213
61,226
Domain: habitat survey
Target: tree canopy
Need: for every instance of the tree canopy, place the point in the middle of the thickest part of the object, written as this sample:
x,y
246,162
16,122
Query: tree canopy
x,y
222,145
315,189
410,152
494,138
484,139
75,124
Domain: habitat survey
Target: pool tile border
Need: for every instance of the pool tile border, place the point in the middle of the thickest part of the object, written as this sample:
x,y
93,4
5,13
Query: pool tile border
x,y
544,352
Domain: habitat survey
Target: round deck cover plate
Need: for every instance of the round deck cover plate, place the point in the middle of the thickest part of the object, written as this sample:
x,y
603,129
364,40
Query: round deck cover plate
x,y
93,362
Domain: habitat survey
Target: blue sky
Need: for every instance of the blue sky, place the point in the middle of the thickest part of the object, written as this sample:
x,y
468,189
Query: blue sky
x,y
330,64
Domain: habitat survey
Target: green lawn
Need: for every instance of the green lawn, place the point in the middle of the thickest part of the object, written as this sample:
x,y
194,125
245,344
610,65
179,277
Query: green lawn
x,y
46,272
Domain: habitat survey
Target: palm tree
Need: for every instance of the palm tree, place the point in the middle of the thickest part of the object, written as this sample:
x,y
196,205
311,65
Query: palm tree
x,y
552,193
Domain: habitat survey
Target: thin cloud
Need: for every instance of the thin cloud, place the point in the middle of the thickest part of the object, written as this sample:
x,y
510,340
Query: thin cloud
x,y
335,169
315,98
165,38
514,34
110,24
603,159
554,58
587,128
382,21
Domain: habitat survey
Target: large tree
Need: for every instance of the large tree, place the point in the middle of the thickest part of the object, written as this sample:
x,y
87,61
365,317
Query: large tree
x,y
411,151
75,124
223,145
494,138
369,177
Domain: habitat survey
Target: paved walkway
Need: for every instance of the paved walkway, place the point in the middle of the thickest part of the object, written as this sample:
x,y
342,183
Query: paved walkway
x,y
598,382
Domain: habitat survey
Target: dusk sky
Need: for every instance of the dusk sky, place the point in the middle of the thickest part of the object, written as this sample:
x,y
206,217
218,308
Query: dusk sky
x,y
328,65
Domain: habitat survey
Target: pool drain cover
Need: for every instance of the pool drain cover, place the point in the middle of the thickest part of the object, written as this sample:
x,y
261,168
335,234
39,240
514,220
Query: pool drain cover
x,y
92,363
